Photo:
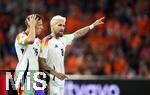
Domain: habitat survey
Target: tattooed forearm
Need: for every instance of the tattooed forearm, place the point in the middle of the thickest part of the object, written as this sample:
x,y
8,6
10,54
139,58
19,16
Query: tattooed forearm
x,y
45,67
81,32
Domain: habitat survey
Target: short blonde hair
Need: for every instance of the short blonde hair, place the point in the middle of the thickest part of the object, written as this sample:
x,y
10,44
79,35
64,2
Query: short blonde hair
x,y
56,19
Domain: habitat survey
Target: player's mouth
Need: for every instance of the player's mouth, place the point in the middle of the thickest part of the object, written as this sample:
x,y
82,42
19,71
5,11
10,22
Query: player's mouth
x,y
61,31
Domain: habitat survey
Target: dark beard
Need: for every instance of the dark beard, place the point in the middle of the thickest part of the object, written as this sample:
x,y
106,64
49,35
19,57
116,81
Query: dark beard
x,y
58,35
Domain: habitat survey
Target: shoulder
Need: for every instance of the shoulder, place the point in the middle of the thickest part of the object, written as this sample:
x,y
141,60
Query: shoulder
x,y
45,41
68,35
20,36
48,37
65,35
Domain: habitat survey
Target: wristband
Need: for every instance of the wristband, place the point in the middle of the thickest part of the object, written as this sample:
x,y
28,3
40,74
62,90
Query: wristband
x,y
91,26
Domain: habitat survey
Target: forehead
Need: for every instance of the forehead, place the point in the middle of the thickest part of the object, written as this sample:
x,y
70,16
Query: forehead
x,y
60,21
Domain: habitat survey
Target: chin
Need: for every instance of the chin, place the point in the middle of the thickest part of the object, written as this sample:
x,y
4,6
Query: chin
x,y
61,34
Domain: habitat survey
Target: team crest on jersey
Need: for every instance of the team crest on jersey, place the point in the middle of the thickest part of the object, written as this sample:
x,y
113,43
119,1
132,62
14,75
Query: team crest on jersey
x,y
56,45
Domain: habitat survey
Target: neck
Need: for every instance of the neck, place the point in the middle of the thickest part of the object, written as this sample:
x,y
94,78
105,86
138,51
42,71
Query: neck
x,y
54,35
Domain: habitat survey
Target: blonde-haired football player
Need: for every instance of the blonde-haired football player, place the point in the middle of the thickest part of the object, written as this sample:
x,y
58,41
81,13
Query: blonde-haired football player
x,y
53,50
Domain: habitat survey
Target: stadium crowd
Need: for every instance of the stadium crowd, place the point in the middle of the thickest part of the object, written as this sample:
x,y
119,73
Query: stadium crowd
x,y
120,47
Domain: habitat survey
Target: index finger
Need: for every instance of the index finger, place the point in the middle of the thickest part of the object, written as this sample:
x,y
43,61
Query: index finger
x,y
102,18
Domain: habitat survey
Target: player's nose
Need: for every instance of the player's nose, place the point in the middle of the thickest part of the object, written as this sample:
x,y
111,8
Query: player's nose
x,y
63,28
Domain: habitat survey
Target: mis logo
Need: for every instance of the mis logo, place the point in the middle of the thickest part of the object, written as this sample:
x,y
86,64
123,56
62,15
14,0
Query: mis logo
x,y
15,84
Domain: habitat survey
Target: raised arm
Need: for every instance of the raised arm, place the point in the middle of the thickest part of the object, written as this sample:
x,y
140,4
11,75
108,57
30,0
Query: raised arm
x,y
31,24
45,67
29,38
81,32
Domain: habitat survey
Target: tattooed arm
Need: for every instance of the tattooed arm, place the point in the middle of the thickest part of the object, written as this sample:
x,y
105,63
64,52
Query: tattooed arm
x,y
81,32
43,66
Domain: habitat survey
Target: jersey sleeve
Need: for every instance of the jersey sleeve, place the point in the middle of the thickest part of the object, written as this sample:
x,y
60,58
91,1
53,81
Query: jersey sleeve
x,y
20,38
68,39
44,49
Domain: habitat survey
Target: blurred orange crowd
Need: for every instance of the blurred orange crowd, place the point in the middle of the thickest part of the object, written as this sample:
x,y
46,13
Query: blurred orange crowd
x,y
119,47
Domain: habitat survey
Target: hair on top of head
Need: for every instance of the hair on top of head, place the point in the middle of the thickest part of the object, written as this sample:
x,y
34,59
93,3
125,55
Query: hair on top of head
x,y
57,18
38,17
